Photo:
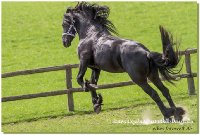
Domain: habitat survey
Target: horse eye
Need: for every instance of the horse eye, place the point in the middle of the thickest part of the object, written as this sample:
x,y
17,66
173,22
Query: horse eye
x,y
65,23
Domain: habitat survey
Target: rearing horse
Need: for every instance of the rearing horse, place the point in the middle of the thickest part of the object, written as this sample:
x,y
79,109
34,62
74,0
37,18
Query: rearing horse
x,y
99,50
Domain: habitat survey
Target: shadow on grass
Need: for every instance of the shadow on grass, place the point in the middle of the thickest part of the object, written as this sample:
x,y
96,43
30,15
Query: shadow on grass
x,y
77,112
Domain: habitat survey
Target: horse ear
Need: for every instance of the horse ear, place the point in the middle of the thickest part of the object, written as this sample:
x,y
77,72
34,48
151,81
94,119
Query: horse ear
x,y
69,9
77,5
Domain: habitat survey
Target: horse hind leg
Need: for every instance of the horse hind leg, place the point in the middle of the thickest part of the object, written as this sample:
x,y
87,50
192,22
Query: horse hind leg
x,y
141,80
138,72
177,111
167,112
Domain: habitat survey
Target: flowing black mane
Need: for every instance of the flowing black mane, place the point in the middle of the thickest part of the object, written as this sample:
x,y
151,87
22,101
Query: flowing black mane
x,y
99,14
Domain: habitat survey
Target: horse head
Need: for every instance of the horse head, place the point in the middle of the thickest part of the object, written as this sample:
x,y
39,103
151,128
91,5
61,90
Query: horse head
x,y
69,29
83,16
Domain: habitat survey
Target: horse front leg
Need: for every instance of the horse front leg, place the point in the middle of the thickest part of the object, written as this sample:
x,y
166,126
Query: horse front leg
x,y
81,73
96,98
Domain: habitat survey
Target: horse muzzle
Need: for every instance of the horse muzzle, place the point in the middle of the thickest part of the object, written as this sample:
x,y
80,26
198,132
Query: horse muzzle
x,y
66,42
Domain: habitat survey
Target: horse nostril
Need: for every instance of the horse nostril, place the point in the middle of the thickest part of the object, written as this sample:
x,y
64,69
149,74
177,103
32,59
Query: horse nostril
x,y
64,38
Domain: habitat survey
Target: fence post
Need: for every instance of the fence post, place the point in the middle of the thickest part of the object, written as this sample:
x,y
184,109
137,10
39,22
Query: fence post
x,y
190,80
69,85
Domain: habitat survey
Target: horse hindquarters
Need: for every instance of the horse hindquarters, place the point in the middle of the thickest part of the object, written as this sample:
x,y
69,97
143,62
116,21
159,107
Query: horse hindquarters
x,y
135,63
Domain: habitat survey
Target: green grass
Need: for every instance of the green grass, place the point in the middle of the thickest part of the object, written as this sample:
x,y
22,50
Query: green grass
x,y
31,38
88,122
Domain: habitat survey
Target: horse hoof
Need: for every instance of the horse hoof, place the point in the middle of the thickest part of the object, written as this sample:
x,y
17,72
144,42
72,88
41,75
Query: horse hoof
x,y
178,114
178,118
88,86
97,108
168,119
93,86
180,111
169,112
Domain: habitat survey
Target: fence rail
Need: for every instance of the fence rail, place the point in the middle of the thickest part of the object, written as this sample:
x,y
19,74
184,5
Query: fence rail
x,y
38,70
63,67
69,90
62,92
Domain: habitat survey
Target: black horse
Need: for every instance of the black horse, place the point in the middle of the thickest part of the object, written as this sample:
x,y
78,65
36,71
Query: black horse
x,y
99,50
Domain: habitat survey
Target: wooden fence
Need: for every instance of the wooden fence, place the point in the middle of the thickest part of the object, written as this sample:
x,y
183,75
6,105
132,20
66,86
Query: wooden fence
x,y
70,90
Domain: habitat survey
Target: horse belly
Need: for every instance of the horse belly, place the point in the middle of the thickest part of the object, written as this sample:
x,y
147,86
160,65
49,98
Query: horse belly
x,y
108,61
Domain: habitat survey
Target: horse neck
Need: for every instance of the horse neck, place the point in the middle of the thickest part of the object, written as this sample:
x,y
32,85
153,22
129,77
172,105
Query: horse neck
x,y
87,29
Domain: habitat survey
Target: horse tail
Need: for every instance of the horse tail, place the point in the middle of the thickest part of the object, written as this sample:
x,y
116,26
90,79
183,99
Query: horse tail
x,y
169,59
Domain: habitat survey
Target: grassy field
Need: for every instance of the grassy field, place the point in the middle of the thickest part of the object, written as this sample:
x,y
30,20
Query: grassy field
x,y
31,38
